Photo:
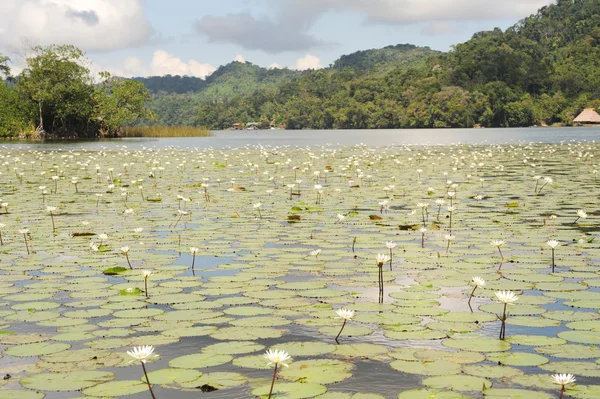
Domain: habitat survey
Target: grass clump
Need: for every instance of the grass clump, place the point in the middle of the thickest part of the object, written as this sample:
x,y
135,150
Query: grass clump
x,y
165,131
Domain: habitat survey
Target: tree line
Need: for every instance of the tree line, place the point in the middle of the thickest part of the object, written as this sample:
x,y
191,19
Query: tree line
x,y
55,96
542,71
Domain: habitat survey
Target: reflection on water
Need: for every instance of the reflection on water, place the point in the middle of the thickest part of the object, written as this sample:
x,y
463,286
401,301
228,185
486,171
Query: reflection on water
x,y
301,138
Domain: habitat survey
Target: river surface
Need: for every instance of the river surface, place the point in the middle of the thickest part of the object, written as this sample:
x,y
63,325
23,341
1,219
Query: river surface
x,y
300,138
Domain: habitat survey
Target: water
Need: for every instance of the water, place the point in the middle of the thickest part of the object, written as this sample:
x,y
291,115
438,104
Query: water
x,y
300,138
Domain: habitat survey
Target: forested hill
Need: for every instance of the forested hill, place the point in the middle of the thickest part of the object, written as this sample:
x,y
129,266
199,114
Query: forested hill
x,y
543,70
176,98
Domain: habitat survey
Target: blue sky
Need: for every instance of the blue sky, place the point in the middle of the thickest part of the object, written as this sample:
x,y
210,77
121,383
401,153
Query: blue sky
x,y
193,37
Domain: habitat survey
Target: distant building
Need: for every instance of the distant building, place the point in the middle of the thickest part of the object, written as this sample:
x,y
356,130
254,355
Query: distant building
x,y
588,116
236,126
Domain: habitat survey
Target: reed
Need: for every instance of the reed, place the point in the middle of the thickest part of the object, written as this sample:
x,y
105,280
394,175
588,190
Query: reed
x,y
165,131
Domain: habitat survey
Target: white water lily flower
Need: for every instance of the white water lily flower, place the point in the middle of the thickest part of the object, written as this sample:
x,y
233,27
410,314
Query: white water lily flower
x,y
553,243
138,229
506,296
102,237
423,205
497,243
563,379
341,217
478,281
193,250
382,258
142,353
449,237
50,208
147,273
315,252
390,245
440,201
345,314
277,357
582,214
24,231
125,249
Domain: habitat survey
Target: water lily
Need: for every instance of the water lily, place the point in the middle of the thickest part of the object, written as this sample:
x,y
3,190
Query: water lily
x,y
581,214
193,251
449,238
562,380
276,357
478,282
125,251
381,259
315,253
25,232
422,230
146,274
346,315
102,237
340,218
552,244
143,354
390,245
507,298
439,202
52,209
498,244
257,207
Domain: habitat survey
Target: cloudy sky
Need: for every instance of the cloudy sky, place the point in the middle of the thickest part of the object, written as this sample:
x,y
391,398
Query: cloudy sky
x,y
193,37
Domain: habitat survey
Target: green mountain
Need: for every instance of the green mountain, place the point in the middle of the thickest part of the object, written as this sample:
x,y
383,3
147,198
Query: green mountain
x,y
543,70
385,59
176,99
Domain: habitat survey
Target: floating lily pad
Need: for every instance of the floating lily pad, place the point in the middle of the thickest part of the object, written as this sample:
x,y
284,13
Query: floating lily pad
x,y
116,388
322,371
62,382
201,360
291,390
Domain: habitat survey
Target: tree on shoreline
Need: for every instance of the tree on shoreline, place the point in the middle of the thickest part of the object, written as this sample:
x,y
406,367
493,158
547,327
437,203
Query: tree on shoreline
x,y
68,103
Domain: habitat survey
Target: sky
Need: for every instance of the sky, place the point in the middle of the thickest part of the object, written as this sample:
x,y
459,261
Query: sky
x,y
194,37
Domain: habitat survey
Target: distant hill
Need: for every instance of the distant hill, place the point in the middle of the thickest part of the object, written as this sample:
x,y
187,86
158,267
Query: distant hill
x,y
385,59
176,99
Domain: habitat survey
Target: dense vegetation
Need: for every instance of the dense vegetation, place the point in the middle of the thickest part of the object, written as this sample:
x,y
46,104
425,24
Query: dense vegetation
x,y
55,96
543,70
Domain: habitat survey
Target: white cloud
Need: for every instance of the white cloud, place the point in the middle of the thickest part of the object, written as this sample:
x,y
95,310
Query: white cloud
x,y
92,25
308,62
239,58
414,11
163,63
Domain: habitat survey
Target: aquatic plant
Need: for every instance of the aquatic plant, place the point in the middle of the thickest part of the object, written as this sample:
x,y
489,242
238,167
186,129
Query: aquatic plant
x,y
346,315
553,244
380,260
390,245
581,214
125,251
51,210
506,297
144,354
146,274
563,380
276,357
477,282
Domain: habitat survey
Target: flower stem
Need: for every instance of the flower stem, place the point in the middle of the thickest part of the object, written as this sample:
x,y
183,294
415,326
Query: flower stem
x,y
193,260
128,262
26,244
148,381
471,297
391,259
146,287
562,391
552,260
273,381
341,329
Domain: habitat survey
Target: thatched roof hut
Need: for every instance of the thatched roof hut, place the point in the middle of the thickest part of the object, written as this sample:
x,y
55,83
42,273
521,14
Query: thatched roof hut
x,y
589,115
